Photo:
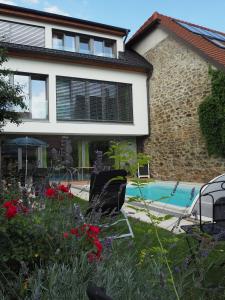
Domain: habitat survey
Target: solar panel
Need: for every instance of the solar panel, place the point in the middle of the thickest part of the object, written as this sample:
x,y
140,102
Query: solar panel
x,y
203,32
217,43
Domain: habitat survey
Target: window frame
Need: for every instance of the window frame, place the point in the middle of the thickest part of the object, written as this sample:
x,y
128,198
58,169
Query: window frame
x,y
30,76
102,82
77,36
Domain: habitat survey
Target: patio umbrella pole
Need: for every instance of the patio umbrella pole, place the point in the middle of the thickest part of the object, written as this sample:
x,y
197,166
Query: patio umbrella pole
x,y
26,167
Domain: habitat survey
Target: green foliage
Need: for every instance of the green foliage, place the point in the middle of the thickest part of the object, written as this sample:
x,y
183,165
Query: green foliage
x,y
10,95
212,115
123,156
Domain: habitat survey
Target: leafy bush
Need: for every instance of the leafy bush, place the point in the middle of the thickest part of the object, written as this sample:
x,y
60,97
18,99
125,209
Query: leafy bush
x,y
212,115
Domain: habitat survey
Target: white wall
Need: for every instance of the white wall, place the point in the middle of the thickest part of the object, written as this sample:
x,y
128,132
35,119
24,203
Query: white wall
x,y
52,69
150,41
49,27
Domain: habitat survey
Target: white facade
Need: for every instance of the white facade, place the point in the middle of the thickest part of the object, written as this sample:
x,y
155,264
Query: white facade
x,y
49,27
150,41
52,69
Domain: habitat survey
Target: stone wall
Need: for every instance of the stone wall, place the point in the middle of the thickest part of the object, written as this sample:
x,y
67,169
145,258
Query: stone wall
x,y
179,83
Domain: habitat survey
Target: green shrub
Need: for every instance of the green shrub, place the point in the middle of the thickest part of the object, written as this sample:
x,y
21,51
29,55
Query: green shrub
x,y
212,115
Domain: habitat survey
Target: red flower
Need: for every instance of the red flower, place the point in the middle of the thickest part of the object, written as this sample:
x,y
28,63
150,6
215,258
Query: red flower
x,y
50,193
94,229
66,235
99,247
75,232
7,204
11,211
63,188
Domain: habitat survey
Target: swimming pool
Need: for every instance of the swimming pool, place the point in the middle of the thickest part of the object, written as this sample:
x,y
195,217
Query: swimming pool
x,y
162,192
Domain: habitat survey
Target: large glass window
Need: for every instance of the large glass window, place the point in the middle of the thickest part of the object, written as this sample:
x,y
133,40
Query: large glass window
x,y
38,98
24,82
92,100
34,92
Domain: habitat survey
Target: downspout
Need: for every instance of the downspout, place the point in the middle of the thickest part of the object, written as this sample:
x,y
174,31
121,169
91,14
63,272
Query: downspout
x,y
149,75
140,140
126,36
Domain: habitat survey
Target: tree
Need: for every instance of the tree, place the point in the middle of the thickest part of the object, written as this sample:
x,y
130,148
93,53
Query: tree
x,y
123,156
10,96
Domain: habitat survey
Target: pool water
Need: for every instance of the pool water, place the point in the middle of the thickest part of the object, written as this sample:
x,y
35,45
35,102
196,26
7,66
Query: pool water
x,y
162,192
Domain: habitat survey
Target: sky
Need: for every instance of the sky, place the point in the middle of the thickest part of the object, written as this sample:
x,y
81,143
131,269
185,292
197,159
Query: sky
x,y
132,14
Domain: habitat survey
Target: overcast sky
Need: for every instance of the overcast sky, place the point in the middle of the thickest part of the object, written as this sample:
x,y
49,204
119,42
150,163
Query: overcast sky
x,y
133,13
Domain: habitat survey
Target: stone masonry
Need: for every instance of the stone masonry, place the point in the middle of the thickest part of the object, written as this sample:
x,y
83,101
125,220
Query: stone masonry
x,y
179,83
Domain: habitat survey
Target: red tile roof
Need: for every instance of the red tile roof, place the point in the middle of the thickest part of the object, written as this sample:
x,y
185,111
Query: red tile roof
x,y
206,47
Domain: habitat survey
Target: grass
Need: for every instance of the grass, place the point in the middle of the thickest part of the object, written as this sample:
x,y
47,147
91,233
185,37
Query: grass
x,y
200,279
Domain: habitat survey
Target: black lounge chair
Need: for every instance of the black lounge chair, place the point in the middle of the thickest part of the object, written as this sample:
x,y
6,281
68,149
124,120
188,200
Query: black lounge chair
x,y
107,191
210,202
107,196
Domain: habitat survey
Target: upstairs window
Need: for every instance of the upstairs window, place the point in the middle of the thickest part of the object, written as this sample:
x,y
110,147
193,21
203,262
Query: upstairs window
x,y
98,47
61,41
57,40
83,44
24,34
69,43
109,48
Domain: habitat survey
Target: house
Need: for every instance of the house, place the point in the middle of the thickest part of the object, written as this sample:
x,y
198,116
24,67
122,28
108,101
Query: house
x,y
181,54
84,87
81,86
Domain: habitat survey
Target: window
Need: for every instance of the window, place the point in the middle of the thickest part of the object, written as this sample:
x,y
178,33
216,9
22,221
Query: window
x,y
92,100
34,92
109,49
98,47
57,41
69,43
19,33
84,45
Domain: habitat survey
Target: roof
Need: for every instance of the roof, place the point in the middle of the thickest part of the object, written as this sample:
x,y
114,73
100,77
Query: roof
x,y
42,16
210,43
128,60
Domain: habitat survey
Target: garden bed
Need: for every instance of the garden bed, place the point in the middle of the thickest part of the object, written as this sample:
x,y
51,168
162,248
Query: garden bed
x,y
46,256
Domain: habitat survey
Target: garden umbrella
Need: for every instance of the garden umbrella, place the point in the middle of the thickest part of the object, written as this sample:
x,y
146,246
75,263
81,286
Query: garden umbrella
x,y
26,142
